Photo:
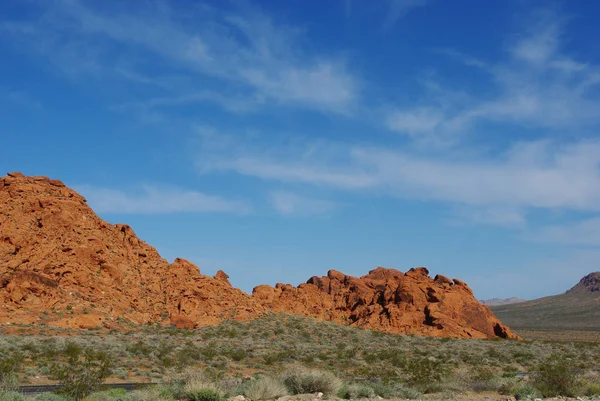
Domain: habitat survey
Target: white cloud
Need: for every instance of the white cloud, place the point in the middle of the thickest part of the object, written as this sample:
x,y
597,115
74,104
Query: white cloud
x,y
586,232
415,122
247,52
290,204
398,9
536,174
158,200
495,215
537,85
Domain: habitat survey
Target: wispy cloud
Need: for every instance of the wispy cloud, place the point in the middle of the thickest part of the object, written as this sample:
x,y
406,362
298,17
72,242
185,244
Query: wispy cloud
x,y
150,199
290,204
536,174
398,9
536,85
22,99
586,232
244,49
507,217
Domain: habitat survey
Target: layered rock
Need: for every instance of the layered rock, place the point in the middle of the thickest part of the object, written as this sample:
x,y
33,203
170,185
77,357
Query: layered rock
x,y
61,265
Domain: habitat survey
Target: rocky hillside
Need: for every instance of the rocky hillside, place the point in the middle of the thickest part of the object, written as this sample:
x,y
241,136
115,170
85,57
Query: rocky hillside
x,y
501,301
61,265
576,309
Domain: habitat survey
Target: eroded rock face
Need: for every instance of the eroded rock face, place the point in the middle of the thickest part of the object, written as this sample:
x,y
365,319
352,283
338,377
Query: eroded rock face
x,y
62,265
389,300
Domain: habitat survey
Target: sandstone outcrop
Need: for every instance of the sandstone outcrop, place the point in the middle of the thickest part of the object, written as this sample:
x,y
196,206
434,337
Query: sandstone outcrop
x,y
389,300
61,265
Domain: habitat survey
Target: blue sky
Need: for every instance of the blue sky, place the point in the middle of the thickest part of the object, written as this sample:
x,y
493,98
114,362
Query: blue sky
x,y
276,140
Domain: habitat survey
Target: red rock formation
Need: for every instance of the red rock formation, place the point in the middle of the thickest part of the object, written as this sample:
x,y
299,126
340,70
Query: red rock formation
x,y
387,299
62,265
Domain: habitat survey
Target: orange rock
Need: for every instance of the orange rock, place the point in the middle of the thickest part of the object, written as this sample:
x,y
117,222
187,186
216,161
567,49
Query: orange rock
x,y
388,300
61,265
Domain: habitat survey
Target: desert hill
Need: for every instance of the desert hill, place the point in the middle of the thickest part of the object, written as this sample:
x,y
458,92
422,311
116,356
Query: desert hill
x,y
501,301
576,309
61,265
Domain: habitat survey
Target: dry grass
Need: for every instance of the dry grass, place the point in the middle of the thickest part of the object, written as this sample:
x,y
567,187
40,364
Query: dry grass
x,y
235,356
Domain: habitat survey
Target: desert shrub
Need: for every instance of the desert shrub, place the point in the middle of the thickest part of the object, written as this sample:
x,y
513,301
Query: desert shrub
x,y
115,394
82,373
509,386
527,392
407,393
483,379
556,376
354,391
592,389
426,371
52,397
8,372
11,396
304,381
200,390
237,354
204,394
121,373
154,393
387,390
265,388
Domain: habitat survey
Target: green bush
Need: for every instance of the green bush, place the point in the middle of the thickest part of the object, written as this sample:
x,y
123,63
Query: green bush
x,y
483,378
556,376
82,373
591,389
9,367
265,388
204,394
11,396
407,393
305,381
197,389
527,392
354,391
425,371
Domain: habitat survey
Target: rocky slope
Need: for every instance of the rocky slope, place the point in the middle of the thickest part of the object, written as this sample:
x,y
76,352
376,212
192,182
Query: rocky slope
x,y
501,301
387,299
576,309
61,265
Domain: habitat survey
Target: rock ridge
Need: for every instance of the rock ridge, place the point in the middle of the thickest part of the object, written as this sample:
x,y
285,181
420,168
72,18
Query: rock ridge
x,y
62,265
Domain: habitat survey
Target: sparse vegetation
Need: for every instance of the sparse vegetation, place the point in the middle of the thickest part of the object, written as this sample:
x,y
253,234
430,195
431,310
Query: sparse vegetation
x,y
277,354
556,375
265,388
300,380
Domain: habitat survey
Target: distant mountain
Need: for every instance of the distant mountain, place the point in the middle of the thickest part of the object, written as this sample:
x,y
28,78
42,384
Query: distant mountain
x,y
501,301
576,309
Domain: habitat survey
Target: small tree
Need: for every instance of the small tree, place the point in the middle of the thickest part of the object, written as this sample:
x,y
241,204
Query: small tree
x,y
556,376
82,372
